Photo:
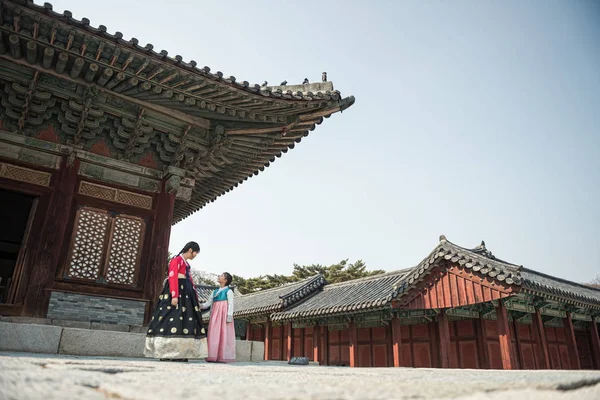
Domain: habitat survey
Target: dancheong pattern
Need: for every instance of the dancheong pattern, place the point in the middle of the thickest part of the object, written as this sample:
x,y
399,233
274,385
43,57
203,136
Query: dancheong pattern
x,y
124,250
88,246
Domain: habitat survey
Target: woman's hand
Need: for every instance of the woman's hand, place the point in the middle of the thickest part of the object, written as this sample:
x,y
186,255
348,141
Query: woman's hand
x,y
174,301
229,319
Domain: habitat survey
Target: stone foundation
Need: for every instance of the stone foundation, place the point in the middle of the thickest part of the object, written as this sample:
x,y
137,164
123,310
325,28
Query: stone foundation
x,y
41,337
95,310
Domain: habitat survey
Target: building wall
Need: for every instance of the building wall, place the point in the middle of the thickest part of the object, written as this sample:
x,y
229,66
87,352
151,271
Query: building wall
x,y
474,344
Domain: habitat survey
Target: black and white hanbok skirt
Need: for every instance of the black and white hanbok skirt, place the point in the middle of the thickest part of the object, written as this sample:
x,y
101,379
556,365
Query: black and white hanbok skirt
x,y
177,332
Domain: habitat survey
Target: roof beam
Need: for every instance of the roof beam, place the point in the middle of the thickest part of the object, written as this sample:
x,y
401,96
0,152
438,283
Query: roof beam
x,y
188,119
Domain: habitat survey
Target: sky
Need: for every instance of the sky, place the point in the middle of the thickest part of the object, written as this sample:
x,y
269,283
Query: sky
x,y
478,120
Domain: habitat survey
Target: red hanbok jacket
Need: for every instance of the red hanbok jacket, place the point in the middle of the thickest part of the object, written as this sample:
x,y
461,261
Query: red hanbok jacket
x,y
177,268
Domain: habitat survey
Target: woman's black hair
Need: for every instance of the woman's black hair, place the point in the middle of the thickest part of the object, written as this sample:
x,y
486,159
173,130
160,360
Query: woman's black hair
x,y
228,278
190,245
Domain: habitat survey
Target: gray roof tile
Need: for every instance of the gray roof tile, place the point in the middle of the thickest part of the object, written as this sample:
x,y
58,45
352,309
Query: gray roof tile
x,y
346,297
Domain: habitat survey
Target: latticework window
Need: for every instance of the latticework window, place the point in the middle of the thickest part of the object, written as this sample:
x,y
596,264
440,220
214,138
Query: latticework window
x,y
106,247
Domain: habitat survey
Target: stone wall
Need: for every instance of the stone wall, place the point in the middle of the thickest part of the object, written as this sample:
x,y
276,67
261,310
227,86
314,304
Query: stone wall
x,y
78,307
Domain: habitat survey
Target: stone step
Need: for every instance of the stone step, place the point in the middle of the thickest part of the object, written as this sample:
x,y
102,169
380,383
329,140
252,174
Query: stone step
x,y
53,339
76,324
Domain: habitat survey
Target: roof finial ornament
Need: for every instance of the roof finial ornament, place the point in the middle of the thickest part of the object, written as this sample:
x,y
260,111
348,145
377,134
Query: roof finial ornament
x,y
443,238
324,76
264,84
482,245
283,83
305,82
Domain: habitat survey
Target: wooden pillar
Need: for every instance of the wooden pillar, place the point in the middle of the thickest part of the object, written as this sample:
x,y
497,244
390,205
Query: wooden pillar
x,y
51,239
353,344
325,344
482,346
504,337
249,331
573,352
595,336
518,358
158,260
268,338
316,343
396,341
444,334
290,341
541,339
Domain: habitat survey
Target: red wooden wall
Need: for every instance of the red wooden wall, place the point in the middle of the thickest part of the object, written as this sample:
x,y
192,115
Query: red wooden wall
x,y
584,347
473,344
464,352
339,348
419,348
558,348
374,347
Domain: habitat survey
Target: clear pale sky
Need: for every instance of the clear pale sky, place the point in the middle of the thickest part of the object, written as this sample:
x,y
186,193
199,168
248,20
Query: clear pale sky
x,y
473,119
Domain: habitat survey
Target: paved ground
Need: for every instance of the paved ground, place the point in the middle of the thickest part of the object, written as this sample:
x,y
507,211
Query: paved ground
x,y
33,376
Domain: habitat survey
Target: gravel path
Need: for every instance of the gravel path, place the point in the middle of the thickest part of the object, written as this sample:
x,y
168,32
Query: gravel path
x,y
34,376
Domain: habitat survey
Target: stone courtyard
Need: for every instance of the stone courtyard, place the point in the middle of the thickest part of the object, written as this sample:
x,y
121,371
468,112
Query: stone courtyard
x,y
39,376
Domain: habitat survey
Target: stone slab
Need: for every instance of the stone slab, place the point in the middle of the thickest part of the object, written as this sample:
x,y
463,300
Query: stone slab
x,y
138,329
85,342
71,324
258,351
29,337
243,350
110,327
27,320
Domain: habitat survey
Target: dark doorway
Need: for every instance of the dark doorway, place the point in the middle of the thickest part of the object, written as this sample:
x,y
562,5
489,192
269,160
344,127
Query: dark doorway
x,y
16,211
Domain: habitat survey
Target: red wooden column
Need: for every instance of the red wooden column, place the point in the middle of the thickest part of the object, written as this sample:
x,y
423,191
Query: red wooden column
x,y
52,236
290,342
444,332
482,346
249,331
353,345
316,343
159,250
397,341
595,336
325,344
504,337
541,339
574,353
268,338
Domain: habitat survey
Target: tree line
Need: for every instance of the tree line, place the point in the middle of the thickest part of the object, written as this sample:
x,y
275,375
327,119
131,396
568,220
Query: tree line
x,y
334,273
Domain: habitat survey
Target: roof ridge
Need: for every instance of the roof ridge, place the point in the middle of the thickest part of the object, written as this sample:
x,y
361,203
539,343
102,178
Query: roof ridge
x,y
581,285
280,287
368,278
473,251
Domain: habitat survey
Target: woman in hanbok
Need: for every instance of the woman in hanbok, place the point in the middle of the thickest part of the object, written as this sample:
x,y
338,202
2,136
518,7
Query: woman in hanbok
x,y
221,330
176,332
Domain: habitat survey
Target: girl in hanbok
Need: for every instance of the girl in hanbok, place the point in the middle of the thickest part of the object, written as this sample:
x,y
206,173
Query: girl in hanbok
x,y
176,332
221,331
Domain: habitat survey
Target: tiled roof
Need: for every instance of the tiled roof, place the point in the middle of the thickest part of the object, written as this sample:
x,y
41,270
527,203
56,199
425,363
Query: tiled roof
x,y
177,61
559,289
479,260
347,297
272,300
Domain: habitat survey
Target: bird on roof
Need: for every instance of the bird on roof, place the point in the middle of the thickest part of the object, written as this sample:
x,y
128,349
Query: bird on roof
x,y
324,76
283,83
264,84
305,82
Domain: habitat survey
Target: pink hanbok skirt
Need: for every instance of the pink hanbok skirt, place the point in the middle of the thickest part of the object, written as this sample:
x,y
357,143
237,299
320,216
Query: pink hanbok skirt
x,y
221,335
